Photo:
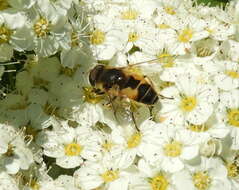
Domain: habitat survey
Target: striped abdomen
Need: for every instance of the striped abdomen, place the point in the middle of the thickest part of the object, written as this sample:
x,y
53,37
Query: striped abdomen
x,y
120,82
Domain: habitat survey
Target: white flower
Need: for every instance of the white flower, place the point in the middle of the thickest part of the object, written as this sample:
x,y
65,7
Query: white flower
x,y
105,39
13,35
7,182
65,182
139,35
228,114
105,173
230,49
218,30
211,128
204,50
132,11
70,145
211,174
75,47
134,142
14,153
191,101
48,27
173,149
232,163
191,29
225,73
152,178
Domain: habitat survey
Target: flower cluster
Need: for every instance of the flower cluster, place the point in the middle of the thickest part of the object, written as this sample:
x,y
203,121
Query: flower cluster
x,y
57,132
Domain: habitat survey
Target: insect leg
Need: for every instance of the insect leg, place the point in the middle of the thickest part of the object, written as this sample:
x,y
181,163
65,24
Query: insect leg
x,y
112,105
132,115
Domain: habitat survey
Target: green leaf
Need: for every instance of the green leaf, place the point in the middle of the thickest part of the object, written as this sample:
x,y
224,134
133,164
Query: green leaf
x,y
213,3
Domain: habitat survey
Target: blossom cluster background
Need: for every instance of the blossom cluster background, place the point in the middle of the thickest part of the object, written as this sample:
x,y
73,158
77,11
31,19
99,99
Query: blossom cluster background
x,y
57,133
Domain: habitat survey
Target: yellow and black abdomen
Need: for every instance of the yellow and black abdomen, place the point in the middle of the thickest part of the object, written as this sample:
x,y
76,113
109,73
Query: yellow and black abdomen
x,y
120,82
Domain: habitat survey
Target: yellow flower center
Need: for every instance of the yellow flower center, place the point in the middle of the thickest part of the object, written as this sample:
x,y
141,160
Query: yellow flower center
x,y
110,175
159,182
91,96
188,103
134,140
34,185
130,14
166,59
73,149
4,5
107,145
232,170
198,128
163,26
133,37
69,71
10,150
173,149
42,28
233,117
170,10
209,30
201,180
232,74
185,35
203,52
97,37
5,34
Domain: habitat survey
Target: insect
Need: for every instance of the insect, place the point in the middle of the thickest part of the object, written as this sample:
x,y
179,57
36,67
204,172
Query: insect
x,y
122,82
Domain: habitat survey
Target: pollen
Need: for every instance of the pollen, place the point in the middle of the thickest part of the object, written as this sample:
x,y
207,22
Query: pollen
x,y
170,10
232,74
10,150
159,182
133,37
134,140
130,14
198,128
233,117
232,170
209,30
163,26
110,175
42,27
185,35
34,185
188,103
107,145
201,180
166,59
91,96
173,149
203,52
73,149
5,34
97,37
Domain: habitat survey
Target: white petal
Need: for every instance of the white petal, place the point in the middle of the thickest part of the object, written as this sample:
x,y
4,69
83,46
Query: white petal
x,y
69,161
189,152
172,164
